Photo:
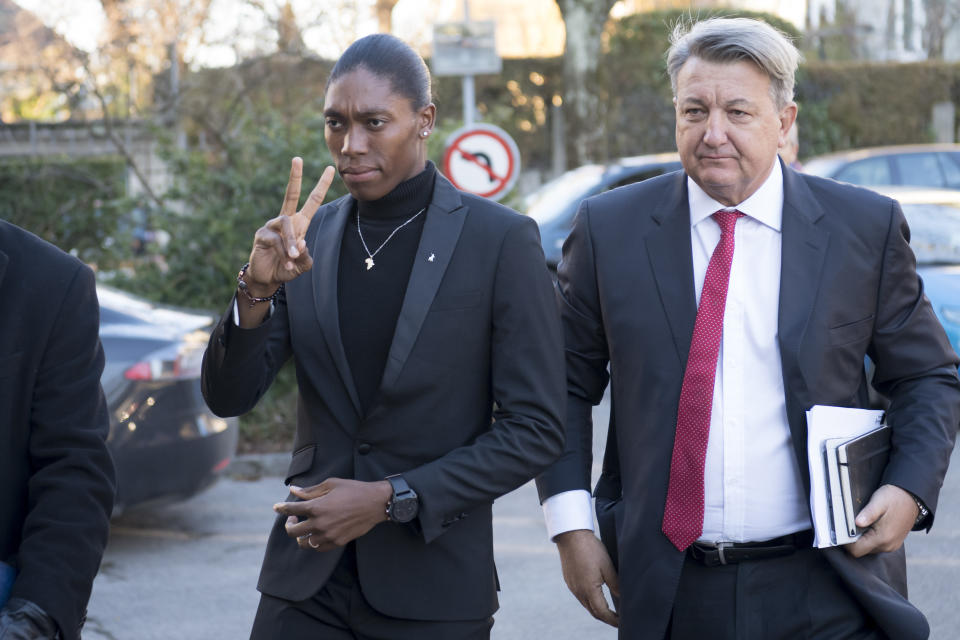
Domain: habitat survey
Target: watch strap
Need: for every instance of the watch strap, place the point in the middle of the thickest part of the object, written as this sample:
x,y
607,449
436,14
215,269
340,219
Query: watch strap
x,y
923,512
400,486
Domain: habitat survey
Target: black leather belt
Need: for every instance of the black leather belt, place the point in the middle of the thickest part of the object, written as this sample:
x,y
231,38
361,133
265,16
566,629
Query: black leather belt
x,y
713,554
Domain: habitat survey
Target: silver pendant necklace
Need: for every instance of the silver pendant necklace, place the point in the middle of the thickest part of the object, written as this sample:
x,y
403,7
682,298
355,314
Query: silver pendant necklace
x,y
369,259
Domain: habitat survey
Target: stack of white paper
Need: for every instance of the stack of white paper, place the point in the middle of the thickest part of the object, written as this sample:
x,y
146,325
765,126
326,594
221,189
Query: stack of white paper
x,y
825,422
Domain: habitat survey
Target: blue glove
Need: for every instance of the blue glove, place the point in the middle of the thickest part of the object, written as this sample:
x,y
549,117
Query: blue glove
x,y
23,620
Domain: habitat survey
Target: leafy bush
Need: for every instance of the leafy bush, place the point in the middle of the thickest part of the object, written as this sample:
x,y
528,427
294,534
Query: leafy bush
x,y
76,204
218,201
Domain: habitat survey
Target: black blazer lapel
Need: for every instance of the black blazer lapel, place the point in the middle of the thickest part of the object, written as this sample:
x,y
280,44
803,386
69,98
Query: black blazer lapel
x,y
671,260
326,254
803,247
803,250
441,230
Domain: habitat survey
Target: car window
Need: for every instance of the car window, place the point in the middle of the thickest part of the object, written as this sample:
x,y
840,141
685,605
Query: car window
x,y
920,169
552,199
869,171
640,177
950,163
934,232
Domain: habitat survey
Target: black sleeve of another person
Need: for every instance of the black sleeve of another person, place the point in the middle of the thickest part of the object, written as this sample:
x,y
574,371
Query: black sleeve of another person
x,y
59,423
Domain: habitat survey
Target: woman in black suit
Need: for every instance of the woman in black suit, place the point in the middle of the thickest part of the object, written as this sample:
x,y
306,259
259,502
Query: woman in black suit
x,y
411,309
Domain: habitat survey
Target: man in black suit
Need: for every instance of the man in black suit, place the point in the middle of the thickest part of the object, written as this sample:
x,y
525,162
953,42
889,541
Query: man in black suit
x,y
725,300
429,363
56,474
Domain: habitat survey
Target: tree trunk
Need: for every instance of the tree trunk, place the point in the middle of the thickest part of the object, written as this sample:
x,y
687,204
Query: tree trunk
x,y
384,9
941,17
583,106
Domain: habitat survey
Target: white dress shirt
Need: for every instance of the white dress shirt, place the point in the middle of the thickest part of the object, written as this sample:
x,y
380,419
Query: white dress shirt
x,y
752,483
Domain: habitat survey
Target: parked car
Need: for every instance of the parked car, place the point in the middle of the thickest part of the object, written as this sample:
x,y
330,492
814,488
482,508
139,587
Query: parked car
x,y
165,443
555,204
922,165
934,219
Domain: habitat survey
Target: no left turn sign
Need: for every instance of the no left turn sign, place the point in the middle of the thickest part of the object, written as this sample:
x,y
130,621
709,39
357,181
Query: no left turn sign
x,y
482,159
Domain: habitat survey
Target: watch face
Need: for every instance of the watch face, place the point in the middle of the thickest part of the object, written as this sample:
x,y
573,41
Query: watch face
x,y
403,510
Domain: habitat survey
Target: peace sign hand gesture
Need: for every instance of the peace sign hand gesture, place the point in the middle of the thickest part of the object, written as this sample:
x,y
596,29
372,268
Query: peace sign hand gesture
x,y
279,250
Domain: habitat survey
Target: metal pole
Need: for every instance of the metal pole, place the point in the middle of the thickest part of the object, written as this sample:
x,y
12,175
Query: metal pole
x,y
469,95
558,137
469,100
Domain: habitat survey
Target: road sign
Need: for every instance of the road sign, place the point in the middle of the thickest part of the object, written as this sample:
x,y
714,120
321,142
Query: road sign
x,y
465,49
482,159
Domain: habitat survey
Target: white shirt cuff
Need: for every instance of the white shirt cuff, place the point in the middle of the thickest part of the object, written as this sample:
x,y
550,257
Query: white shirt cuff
x,y
568,511
236,312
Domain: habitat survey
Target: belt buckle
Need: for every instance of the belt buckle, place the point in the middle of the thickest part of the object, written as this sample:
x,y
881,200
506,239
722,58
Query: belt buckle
x,y
712,553
720,546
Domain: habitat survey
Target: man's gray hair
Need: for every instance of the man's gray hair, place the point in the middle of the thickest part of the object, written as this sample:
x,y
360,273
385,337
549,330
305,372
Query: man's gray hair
x,y
732,40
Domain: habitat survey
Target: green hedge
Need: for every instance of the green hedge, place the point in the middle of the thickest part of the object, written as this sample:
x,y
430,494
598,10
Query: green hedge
x,y
849,105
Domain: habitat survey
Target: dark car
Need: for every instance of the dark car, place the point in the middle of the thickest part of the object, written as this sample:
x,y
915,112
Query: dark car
x,y
921,165
165,443
555,204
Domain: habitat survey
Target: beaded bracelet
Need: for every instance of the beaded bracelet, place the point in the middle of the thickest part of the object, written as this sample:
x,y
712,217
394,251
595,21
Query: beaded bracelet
x,y
242,286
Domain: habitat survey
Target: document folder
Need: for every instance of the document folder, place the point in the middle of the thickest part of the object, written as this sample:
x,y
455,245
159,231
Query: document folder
x,y
840,488
861,462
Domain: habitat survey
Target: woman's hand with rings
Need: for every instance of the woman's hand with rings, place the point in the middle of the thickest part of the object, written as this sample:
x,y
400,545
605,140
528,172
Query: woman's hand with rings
x,y
334,512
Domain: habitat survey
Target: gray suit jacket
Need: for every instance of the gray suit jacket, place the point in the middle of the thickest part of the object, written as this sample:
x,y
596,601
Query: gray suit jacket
x,y
848,288
470,406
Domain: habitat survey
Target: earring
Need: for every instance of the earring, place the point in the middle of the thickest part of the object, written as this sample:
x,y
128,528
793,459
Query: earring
x,y
424,134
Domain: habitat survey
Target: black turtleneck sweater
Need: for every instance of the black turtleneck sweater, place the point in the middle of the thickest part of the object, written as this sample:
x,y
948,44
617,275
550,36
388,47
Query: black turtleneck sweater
x,y
370,300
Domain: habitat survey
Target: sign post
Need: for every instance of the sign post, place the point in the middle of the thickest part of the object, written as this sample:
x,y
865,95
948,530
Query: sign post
x,y
465,49
482,159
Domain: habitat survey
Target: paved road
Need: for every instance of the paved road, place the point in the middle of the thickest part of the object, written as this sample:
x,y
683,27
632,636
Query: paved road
x,y
188,571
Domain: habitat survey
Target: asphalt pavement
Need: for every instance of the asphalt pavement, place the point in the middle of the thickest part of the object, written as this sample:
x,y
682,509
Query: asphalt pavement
x,y
188,571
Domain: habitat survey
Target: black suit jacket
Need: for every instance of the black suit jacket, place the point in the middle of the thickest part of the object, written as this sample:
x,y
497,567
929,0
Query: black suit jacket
x,y
56,475
470,405
848,288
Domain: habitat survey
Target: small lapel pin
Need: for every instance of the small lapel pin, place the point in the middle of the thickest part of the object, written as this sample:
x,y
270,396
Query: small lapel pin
x,y
432,257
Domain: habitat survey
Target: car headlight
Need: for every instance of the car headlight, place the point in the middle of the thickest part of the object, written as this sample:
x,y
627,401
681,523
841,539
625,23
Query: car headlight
x,y
951,314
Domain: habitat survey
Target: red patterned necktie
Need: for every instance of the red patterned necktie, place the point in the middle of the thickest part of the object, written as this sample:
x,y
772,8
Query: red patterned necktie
x,y
683,513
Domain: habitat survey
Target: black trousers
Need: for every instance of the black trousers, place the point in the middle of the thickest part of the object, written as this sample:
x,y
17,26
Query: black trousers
x,y
339,611
789,597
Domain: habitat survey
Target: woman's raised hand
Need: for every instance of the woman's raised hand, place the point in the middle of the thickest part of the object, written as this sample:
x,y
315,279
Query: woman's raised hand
x,y
279,250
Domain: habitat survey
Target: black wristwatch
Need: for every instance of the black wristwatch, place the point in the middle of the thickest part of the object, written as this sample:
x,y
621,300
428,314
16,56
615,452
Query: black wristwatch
x,y
404,505
922,513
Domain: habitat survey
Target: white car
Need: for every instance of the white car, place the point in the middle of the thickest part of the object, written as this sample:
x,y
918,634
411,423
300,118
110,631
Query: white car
x,y
920,165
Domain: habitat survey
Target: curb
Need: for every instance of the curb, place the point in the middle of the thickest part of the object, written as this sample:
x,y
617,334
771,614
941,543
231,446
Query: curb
x,y
251,466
